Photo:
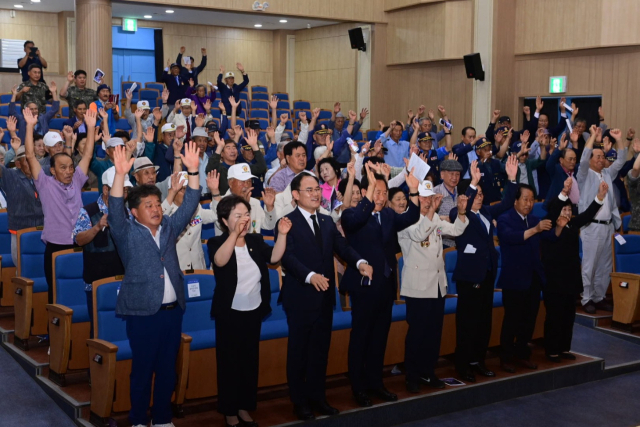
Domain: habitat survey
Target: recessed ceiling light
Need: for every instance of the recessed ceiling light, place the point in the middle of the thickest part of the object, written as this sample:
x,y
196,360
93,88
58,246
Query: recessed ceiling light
x,y
283,21
35,1
169,11
19,6
148,16
258,25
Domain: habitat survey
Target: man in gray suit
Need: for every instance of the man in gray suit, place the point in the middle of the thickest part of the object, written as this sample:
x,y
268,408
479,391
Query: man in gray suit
x,y
596,237
151,297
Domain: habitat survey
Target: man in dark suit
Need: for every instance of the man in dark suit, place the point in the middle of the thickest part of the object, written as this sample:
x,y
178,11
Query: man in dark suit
x,y
522,277
372,229
562,164
308,295
151,297
475,273
176,83
228,87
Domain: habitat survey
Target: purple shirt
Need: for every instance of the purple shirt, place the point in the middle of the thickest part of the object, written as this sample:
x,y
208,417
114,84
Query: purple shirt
x,y
61,204
281,179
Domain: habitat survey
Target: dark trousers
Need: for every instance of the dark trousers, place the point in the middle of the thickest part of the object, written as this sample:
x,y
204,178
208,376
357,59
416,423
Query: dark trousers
x,y
308,352
90,308
558,324
370,323
520,312
154,342
49,249
237,357
473,321
422,344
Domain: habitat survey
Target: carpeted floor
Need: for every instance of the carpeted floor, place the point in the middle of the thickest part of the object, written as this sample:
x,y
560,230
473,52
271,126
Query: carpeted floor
x,y
614,351
23,402
606,403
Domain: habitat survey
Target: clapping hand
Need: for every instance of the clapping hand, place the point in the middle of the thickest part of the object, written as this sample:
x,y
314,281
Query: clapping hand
x,y
566,189
284,226
603,190
462,203
562,222
241,225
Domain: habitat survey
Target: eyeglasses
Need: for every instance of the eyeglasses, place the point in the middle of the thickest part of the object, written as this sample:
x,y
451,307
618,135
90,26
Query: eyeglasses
x,y
311,191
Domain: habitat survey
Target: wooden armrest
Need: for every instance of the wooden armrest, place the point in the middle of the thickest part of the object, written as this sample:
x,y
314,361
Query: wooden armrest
x,y
186,338
59,309
451,296
102,346
497,290
22,281
625,275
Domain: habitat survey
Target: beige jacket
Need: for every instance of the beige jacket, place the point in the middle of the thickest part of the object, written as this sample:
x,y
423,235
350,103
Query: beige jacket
x,y
189,245
421,246
260,218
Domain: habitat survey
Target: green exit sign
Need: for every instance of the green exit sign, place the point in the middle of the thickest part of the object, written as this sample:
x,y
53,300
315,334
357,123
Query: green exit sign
x,y
129,24
558,84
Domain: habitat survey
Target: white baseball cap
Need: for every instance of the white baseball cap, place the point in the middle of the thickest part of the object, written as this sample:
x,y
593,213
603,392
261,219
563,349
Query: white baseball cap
x,y
168,127
240,171
52,138
185,102
143,104
183,179
229,74
425,189
112,142
109,175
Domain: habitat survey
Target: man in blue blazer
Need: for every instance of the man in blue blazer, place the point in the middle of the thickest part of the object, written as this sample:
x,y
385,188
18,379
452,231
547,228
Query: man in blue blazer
x,y
371,229
309,294
175,82
229,88
521,278
475,273
151,297
562,163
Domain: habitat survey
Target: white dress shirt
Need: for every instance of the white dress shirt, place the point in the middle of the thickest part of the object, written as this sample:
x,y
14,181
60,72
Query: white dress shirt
x,y
169,292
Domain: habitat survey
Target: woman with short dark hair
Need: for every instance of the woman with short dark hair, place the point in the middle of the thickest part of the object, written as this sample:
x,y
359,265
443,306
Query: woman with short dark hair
x,y
240,301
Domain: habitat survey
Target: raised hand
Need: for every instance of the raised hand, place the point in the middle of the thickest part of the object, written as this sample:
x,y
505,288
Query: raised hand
x,y
252,139
199,120
462,203
303,116
351,169
67,131
131,146
441,111
240,67
121,161
603,190
53,87
336,107
435,203
562,222
180,132
315,113
177,146
352,116
412,181
524,136
129,94
103,113
14,90
539,103
431,115
165,95
574,136
385,169
526,110
190,158
566,189
70,77
274,102
207,105
563,141
29,117
616,134
284,117
15,143
284,225
495,115
421,110
138,114
192,83
476,175
271,132
213,181
149,134
631,133
269,197
175,183
233,102
364,113
183,50
203,51
452,156
12,124
635,146
543,225
25,89
410,115
512,167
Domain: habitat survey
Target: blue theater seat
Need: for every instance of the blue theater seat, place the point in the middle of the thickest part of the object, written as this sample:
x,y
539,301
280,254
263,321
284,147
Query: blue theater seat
x,y
107,325
625,257
208,231
88,197
197,321
68,285
275,324
8,267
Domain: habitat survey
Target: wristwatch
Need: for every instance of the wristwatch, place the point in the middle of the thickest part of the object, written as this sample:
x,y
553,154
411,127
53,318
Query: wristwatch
x,y
414,194
193,173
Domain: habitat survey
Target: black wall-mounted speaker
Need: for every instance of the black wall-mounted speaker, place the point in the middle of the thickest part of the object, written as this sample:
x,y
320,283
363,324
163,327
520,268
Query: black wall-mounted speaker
x,y
473,66
357,39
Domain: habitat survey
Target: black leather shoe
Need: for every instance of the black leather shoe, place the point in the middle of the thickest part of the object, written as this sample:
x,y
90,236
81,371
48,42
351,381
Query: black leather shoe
x,y
432,381
245,423
482,370
324,408
413,386
567,356
362,399
508,367
589,308
467,376
528,364
303,412
554,359
384,394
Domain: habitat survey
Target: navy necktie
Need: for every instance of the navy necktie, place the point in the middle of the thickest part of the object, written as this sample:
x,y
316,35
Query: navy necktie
x,y
316,231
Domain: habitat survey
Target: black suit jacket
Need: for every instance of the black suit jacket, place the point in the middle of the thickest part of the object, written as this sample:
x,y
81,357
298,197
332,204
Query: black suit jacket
x,y
227,276
377,243
303,255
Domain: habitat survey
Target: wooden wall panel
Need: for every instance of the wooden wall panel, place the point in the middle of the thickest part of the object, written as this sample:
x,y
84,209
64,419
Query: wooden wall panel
x,y
342,10
610,73
503,78
390,5
430,32
325,67
40,27
225,46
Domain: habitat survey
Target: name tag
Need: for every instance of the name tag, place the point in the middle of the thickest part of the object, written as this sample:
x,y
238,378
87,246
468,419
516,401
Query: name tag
x,y
194,288
620,239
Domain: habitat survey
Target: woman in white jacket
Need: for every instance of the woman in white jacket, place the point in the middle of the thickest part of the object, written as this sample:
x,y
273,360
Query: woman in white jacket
x,y
189,245
424,286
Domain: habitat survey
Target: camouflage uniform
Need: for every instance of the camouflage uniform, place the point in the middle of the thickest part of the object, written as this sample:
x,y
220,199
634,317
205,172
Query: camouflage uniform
x,y
74,94
37,94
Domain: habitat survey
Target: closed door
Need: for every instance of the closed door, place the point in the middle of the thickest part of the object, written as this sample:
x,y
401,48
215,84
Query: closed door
x,y
133,65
